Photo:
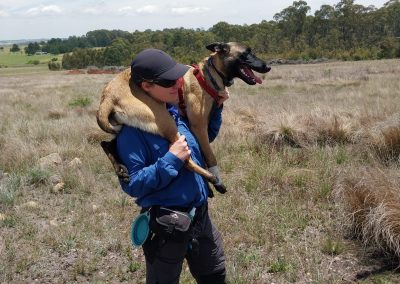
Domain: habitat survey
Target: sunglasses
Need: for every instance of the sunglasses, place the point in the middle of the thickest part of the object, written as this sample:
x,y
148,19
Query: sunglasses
x,y
164,83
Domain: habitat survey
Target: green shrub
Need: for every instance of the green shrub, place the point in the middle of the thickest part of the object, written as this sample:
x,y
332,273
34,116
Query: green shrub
x,y
9,189
315,53
293,55
54,66
38,176
363,54
34,62
388,48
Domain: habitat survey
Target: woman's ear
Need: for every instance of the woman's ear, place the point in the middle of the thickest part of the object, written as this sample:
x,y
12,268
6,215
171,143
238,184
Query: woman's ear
x,y
146,86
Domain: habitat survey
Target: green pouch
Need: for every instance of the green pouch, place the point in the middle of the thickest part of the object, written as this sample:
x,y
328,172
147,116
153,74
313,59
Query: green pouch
x,y
140,229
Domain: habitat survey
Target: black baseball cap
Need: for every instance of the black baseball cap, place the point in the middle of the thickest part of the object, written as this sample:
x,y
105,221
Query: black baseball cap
x,y
154,64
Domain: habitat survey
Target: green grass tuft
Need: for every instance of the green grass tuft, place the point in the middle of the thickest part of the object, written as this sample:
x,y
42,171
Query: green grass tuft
x,y
80,102
38,176
9,188
332,247
280,265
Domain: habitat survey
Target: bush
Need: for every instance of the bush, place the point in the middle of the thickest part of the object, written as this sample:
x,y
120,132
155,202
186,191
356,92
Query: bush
x,y
38,176
388,48
15,48
54,66
363,54
34,62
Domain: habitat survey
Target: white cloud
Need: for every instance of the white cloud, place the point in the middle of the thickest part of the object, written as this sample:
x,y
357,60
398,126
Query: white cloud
x,y
43,10
189,10
149,9
125,10
3,13
93,8
52,8
93,11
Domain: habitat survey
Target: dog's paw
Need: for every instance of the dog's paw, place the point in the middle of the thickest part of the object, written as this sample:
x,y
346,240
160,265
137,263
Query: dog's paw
x,y
122,173
221,188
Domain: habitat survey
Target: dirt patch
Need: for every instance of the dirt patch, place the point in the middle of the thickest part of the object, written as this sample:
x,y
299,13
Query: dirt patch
x,y
76,72
95,71
101,71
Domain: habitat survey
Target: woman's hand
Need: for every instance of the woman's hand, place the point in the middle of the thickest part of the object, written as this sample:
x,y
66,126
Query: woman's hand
x,y
180,148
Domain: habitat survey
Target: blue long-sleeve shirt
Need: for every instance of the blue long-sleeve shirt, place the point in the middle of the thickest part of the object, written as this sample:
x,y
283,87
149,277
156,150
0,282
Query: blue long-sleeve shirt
x,y
158,177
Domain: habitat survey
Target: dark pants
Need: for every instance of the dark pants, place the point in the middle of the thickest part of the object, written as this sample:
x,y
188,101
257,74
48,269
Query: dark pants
x,y
206,260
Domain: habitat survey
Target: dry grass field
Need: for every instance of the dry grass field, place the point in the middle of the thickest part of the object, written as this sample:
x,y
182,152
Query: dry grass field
x,y
310,158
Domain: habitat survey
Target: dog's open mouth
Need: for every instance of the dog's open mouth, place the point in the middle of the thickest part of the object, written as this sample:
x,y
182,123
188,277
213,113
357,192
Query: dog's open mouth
x,y
249,76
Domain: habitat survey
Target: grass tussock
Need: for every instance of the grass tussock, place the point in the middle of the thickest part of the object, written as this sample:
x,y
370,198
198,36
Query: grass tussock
x,y
387,148
382,139
56,114
332,129
306,130
371,199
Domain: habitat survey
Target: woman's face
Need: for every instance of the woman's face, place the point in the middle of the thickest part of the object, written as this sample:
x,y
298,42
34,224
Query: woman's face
x,y
162,94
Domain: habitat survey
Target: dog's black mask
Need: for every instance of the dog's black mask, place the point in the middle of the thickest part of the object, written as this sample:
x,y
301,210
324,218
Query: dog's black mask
x,y
239,62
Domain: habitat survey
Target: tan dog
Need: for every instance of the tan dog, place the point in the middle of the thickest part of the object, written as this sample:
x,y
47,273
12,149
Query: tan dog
x,y
123,102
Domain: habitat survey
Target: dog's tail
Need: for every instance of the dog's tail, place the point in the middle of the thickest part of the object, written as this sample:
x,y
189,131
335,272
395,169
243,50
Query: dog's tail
x,y
105,114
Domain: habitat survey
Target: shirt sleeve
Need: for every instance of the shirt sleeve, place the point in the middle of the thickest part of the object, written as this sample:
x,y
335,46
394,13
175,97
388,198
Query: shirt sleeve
x,y
146,176
215,122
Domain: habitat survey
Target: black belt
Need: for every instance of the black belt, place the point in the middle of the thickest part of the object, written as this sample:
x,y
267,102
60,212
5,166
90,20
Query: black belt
x,y
199,209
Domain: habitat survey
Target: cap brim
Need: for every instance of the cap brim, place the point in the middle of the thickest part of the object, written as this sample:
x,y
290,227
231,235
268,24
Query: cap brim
x,y
174,73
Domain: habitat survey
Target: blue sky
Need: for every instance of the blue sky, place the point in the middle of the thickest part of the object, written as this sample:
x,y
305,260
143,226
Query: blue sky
x,y
33,19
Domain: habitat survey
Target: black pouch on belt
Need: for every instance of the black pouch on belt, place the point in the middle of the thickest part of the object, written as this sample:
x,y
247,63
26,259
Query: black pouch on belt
x,y
170,223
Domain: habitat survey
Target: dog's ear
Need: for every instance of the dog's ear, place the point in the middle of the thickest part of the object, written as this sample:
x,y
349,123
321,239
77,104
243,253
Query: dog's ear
x,y
218,47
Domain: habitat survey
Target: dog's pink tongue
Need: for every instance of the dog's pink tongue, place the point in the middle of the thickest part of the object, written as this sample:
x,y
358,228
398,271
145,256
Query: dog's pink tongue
x,y
258,79
250,73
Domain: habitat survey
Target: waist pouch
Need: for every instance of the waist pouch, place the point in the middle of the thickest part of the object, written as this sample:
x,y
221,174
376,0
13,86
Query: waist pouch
x,y
170,223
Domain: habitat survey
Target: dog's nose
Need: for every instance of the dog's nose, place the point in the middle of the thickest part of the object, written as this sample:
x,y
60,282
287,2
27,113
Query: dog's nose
x,y
265,67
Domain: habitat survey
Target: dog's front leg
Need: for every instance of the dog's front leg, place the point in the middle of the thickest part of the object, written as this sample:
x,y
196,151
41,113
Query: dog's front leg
x,y
199,128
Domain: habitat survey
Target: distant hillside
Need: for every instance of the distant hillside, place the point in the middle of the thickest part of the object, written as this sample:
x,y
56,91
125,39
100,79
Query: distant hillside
x,y
21,41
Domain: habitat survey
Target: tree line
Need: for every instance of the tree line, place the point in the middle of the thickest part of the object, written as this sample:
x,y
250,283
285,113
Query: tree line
x,y
345,31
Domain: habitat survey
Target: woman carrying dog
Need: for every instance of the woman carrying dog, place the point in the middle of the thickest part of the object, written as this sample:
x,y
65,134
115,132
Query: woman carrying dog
x,y
167,190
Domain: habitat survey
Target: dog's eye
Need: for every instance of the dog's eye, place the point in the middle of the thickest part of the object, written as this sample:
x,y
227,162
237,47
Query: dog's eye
x,y
244,55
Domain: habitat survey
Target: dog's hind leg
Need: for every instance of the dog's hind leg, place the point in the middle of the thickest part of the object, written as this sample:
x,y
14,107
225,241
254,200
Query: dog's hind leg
x,y
190,164
110,148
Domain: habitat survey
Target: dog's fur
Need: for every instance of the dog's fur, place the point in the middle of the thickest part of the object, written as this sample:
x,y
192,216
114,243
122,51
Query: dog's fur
x,y
123,102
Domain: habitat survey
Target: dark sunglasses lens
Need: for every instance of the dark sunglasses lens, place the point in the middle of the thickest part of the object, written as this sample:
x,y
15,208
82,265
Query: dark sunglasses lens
x,y
166,83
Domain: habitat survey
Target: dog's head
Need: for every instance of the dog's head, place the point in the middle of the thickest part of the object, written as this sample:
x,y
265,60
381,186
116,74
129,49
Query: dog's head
x,y
237,60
